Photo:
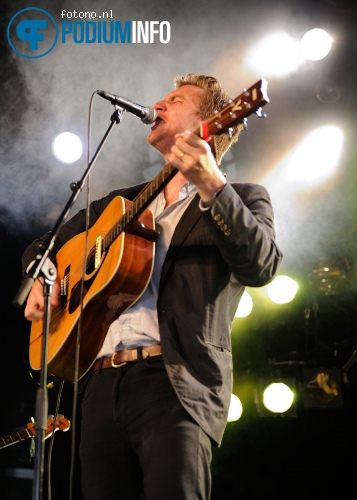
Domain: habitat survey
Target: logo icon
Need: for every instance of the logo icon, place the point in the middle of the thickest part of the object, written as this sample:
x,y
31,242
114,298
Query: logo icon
x,y
32,33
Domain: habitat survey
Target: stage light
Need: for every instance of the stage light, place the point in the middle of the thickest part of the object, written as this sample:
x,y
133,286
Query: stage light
x,y
316,44
276,397
326,277
316,158
277,55
67,147
322,388
282,290
235,409
245,306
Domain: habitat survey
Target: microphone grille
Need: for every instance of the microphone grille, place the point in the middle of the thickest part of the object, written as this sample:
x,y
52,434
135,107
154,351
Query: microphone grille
x,y
150,117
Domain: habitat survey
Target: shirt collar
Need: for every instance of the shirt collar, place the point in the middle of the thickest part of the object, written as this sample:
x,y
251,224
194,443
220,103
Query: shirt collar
x,y
186,190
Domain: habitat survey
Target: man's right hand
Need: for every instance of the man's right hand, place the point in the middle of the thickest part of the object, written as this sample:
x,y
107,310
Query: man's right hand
x,y
35,302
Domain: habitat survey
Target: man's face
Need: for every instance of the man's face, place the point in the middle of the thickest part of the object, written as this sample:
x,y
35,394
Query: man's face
x,y
177,112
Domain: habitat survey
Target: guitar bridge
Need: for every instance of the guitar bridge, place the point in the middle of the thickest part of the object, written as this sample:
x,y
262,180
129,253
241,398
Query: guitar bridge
x,y
64,288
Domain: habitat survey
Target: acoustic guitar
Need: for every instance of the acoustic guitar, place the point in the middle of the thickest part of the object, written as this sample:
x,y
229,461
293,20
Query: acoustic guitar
x,y
119,261
61,423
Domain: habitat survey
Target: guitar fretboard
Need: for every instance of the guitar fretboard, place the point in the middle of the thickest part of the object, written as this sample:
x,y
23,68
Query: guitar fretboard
x,y
140,203
14,438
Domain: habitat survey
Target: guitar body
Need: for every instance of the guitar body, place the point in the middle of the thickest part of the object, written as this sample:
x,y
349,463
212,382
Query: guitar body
x,y
112,285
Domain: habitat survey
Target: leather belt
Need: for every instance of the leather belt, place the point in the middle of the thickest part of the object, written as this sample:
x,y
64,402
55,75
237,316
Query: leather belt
x,y
120,358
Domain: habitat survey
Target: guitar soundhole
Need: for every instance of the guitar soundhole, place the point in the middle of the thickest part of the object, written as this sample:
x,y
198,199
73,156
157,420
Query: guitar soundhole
x,y
75,299
90,265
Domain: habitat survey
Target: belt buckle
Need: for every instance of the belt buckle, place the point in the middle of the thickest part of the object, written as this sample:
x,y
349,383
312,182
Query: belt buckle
x,y
119,364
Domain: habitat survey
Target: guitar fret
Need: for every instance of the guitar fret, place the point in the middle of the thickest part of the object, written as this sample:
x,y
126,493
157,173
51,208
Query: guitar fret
x,y
117,230
14,438
8,440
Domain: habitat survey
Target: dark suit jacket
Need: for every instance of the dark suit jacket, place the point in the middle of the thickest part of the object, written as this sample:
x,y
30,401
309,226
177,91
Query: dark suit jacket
x,y
212,256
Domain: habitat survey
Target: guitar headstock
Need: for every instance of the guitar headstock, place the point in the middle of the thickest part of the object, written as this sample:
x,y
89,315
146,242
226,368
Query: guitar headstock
x,y
61,423
247,103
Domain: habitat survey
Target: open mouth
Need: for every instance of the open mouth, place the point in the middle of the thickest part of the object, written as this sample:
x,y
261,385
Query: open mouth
x,y
157,123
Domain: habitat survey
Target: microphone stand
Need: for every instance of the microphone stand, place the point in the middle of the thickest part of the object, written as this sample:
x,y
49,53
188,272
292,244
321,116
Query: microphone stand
x,y
45,268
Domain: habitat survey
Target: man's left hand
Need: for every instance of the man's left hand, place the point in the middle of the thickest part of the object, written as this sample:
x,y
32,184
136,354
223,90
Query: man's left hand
x,y
193,157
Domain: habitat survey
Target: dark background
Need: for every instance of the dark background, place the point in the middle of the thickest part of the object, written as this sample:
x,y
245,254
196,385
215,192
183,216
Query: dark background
x,y
311,454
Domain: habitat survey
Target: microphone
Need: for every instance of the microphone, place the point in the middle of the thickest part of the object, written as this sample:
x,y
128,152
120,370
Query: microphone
x,y
147,114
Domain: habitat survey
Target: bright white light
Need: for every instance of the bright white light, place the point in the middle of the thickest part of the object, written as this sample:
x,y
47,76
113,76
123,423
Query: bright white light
x,y
67,147
282,290
316,44
235,409
278,397
316,158
275,55
245,306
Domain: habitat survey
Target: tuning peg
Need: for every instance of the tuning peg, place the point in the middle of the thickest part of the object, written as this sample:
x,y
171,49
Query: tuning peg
x,y
260,113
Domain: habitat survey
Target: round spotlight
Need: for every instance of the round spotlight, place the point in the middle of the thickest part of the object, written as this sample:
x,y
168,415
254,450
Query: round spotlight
x,y
278,397
235,409
245,306
278,54
316,44
282,290
67,147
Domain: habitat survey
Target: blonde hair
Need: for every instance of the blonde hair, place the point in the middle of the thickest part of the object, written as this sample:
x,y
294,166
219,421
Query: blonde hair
x,y
214,99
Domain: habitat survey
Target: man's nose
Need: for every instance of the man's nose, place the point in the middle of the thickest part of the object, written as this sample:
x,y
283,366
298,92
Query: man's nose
x,y
160,106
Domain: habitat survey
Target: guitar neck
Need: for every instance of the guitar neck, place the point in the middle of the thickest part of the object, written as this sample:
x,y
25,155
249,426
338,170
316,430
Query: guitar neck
x,y
14,438
147,195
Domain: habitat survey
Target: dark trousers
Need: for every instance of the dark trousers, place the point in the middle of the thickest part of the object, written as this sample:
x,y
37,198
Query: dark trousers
x,y
137,441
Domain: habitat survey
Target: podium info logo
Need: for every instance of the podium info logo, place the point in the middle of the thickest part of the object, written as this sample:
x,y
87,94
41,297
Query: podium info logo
x,y
32,33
